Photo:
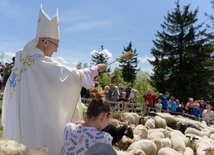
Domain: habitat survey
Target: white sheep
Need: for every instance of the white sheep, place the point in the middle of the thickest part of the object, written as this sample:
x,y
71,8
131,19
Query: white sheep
x,y
196,132
147,146
150,123
116,122
203,148
138,128
134,151
200,145
178,141
132,118
170,120
143,134
164,131
188,151
168,151
156,135
163,142
159,122
124,143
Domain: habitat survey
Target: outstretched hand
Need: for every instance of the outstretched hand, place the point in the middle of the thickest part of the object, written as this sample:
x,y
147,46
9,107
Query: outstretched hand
x,y
102,67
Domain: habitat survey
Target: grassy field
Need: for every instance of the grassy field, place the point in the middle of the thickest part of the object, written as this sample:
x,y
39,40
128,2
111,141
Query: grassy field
x,y
1,127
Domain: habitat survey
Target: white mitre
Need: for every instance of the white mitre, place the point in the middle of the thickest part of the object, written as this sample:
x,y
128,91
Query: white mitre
x,y
46,27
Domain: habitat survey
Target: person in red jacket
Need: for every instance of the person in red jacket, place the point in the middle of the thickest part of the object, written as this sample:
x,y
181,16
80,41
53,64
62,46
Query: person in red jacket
x,y
149,99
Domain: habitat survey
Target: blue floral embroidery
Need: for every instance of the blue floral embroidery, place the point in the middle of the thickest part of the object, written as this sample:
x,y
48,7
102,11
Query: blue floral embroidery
x,y
16,75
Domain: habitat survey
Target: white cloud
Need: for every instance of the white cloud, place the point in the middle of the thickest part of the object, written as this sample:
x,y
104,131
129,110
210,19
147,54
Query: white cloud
x,y
85,26
105,51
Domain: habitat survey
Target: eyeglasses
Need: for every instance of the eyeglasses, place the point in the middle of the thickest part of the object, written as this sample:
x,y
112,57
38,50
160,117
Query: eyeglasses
x,y
54,43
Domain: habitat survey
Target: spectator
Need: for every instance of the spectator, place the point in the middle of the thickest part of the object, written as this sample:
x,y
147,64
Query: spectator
x,y
208,113
165,101
131,96
120,88
180,106
158,106
173,105
115,94
110,92
122,99
149,99
128,91
78,138
97,86
202,105
106,92
189,106
136,97
196,110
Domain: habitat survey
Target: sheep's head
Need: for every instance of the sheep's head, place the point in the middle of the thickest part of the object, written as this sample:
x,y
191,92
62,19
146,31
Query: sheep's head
x,y
192,138
129,133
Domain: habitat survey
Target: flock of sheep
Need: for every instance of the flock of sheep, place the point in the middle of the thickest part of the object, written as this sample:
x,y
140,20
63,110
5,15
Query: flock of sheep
x,y
154,134
163,134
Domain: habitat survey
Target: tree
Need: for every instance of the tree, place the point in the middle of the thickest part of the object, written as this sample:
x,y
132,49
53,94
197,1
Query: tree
x,y
142,84
129,67
100,57
79,65
182,56
116,77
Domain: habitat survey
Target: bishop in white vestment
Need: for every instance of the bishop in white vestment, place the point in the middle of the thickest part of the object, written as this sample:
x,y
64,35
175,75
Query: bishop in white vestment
x,y
41,95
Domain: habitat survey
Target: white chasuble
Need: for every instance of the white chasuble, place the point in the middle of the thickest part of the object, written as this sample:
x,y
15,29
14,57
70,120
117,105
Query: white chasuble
x,y
40,98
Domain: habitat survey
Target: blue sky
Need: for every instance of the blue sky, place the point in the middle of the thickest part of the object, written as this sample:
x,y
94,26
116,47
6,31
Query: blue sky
x,y
86,25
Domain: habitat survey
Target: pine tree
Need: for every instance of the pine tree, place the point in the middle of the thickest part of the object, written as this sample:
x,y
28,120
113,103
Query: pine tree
x,y
100,58
129,67
182,56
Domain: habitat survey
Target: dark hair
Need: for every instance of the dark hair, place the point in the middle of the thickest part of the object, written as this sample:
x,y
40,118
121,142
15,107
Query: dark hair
x,y
98,104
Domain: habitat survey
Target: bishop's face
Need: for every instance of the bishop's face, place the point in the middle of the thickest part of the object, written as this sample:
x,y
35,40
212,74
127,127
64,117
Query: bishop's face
x,y
50,46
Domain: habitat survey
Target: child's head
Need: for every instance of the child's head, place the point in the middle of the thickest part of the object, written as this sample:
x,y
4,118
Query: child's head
x,y
135,92
106,88
99,106
208,105
196,104
159,100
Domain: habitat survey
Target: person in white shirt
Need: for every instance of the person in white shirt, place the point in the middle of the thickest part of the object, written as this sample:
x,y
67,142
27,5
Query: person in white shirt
x,y
208,114
42,95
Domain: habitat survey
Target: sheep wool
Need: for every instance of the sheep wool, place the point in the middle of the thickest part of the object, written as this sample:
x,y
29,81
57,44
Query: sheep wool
x,y
159,122
178,142
188,151
147,146
170,120
163,142
150,123
168,151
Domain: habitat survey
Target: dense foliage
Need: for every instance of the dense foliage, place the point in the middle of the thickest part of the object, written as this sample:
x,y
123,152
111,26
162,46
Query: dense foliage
x,y
129,67
182,54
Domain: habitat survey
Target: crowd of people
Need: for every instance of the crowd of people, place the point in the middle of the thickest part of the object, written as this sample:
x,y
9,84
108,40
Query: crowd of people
x,y
5,70
158,103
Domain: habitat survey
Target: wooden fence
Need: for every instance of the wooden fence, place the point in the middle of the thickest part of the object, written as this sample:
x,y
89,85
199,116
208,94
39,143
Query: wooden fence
x,y
140,109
